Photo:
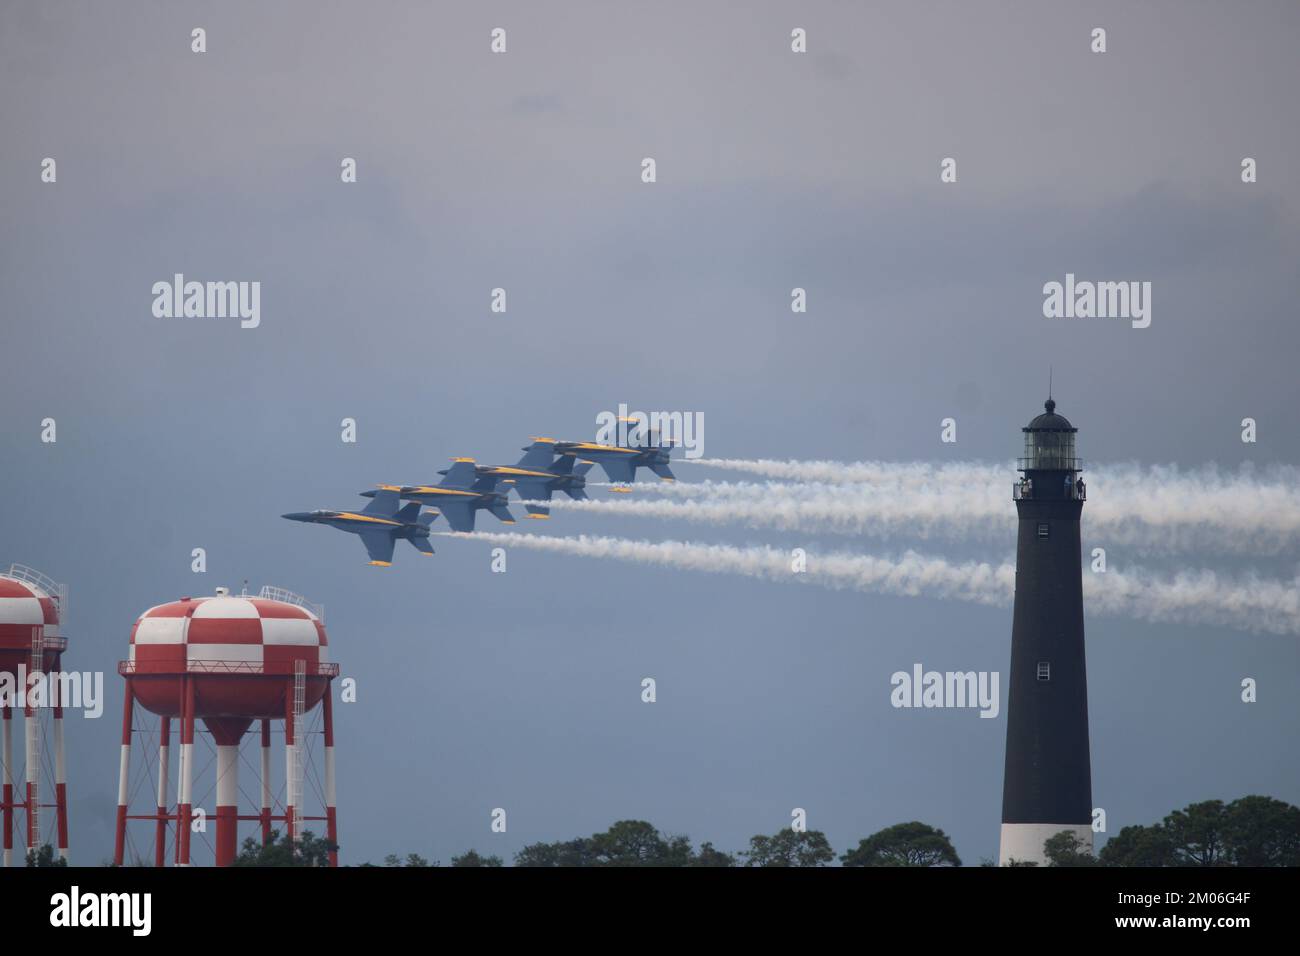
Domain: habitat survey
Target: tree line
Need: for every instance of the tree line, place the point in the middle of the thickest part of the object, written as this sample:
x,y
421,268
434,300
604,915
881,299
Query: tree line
x,y
1250,831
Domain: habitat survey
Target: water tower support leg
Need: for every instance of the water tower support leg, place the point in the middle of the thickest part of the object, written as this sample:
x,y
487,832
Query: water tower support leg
x,y
124,767
187,774
290,798
266,781
160,825
32,724
227,802
331,821
60,783
8,758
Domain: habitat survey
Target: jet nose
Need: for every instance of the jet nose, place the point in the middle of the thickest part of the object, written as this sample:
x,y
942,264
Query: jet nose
x,y
298,516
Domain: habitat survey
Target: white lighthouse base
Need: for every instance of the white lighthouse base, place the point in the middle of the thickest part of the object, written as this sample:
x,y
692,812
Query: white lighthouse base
x,y
1023,842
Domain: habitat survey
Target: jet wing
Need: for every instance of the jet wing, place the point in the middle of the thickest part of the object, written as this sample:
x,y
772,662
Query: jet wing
x,y
534,489
619,469
379,545
459,514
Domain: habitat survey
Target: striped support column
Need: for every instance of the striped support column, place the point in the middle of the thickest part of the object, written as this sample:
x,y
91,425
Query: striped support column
x,y
331,821
290,797
60,783
8,757
32,724
227,799
186,786
266,781
160,825
119,843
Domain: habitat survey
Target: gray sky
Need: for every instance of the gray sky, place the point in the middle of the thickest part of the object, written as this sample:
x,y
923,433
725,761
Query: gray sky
x,y
521,690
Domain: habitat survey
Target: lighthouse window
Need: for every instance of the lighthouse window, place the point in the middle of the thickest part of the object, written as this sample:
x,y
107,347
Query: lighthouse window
x,y
1044,670
1042,530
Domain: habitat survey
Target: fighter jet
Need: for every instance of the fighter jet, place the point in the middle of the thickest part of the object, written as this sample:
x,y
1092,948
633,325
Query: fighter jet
x,y
458,496
537,475
621,463
380,524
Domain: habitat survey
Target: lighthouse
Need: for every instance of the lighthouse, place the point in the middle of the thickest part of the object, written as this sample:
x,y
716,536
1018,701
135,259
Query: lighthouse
x,y
1047,787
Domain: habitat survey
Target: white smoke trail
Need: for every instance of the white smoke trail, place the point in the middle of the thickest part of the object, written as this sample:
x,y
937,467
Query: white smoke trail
x,y
911,576
1149,509
838,472
1200,597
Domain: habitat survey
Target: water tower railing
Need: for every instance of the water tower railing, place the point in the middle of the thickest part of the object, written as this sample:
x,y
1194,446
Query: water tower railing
x,y
59,592
252,668
271,593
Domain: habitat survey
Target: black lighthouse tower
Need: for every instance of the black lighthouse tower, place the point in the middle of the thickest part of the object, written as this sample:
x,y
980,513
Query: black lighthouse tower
x,y
1048,782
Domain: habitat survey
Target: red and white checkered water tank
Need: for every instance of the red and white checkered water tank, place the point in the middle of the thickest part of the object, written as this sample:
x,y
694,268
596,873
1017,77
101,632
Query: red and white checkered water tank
x,y
237,651
27,601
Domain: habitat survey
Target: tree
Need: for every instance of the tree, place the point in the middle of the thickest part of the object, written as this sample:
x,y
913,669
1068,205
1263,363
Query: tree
x,y
904,844
1067,849
708,856
1251,831
1138,846
1197,834
1261,831
789,848
472,858
626,843
635,843
412,860
44,856
309,850
564,853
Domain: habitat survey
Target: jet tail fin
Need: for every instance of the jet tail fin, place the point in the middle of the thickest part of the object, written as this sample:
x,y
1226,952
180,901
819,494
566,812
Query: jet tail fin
x,y
485,483
421,543
383,503
408,513
661,469
582,467
539,454
501,512
460,475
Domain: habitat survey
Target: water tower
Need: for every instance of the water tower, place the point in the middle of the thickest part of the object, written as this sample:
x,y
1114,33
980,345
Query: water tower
x,y
1047,788
227,661
31,606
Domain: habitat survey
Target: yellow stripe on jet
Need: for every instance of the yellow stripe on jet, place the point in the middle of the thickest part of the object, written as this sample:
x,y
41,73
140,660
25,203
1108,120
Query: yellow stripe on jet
x,y
509,470
431,490
349,516
592,446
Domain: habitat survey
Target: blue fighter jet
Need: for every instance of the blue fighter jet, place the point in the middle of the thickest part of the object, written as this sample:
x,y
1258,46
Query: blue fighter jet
x,y
538,474
621,463
380,524
461,494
